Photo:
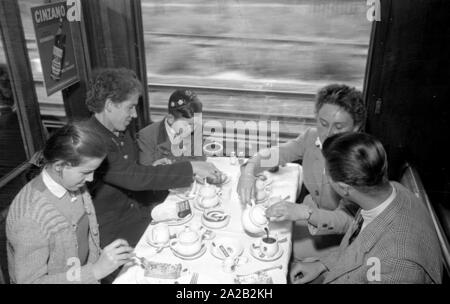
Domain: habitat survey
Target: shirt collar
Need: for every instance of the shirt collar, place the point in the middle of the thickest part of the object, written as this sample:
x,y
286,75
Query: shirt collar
x,y
170,131
370,215
55,188
318,143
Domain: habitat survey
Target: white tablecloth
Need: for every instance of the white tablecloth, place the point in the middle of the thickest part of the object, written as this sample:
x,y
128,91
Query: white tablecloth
x,y
285,182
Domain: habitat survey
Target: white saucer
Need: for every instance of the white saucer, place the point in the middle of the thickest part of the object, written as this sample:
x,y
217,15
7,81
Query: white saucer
x,y
257,254
163,211
189,257
231,244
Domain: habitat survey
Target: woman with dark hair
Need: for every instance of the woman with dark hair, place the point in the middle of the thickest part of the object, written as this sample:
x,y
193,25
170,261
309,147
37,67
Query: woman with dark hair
x,y
172,139
339,108
392,239
51,228
121,183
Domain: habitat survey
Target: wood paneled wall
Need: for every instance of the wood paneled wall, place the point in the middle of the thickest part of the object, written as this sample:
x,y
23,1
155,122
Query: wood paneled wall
x,y
408,91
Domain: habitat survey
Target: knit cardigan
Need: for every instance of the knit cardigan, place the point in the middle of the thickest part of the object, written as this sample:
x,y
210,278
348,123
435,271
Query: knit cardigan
x,y
42,244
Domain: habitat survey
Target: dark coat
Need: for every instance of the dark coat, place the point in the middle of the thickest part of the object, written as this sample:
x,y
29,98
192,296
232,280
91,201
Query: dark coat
x,y
119,180
154,144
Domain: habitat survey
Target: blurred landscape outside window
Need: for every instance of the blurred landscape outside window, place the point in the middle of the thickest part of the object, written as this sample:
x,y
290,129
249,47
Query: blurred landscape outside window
x,y
246,60
273,55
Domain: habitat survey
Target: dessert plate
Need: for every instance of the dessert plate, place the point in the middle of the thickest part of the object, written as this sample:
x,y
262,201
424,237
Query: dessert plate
x,y
167,213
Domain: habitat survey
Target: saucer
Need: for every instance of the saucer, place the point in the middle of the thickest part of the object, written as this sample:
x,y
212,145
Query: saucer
x,y
262,257
165,211
189,257
215,218
233,246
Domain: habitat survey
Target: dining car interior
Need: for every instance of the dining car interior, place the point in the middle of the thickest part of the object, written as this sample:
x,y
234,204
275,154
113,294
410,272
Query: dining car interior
x,y
224,142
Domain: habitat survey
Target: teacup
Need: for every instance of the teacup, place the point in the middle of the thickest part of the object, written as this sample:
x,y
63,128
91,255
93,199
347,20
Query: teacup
x,y
160,234
268,246
188,242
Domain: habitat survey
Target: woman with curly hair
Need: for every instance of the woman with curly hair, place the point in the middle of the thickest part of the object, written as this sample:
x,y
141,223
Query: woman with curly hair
x,y
120,181
339,108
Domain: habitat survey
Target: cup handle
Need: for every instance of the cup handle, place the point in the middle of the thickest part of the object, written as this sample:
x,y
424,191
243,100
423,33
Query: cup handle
x,y
173,242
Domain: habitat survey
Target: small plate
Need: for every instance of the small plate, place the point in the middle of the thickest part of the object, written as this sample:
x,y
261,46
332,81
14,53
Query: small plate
x,y
216,224
189,257
233,246
164,211
262,257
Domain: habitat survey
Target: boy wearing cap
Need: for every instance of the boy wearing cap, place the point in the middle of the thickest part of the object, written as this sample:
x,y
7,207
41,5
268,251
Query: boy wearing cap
x,y
162,142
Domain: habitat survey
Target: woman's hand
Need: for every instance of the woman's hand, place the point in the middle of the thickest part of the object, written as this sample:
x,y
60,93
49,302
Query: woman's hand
x,y
246,187
204,169
162,161
283,211
112,257
302,273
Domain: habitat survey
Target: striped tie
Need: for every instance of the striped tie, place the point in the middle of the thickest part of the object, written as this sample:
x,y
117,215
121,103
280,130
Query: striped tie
x,y
357,228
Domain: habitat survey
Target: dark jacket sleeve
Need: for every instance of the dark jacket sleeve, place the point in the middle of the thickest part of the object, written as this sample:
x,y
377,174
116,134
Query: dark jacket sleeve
x,y
130,175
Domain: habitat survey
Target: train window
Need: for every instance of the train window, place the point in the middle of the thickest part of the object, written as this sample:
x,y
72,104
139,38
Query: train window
x,y
12,150
256,59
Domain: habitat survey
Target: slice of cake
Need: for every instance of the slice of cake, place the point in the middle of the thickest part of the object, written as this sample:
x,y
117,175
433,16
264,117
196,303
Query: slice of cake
x,y
162,270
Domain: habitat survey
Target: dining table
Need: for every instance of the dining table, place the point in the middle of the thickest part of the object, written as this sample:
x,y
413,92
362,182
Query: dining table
x,y
208,267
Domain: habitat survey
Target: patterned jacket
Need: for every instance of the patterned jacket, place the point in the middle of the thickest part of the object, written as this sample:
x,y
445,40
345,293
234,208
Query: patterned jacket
x,y
42,243
399,246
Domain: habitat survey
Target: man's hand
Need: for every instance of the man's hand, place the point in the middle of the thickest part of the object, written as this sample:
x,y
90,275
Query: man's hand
x,y
302,272
283,211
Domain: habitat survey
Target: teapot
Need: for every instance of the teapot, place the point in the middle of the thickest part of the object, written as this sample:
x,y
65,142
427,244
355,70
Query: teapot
x,y
254,219
188,242
209,196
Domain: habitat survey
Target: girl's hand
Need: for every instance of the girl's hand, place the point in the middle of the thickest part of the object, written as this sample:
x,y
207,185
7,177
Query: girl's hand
x,y
112,257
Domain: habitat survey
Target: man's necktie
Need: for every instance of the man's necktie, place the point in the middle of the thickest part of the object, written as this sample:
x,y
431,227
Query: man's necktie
x,y
357,228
